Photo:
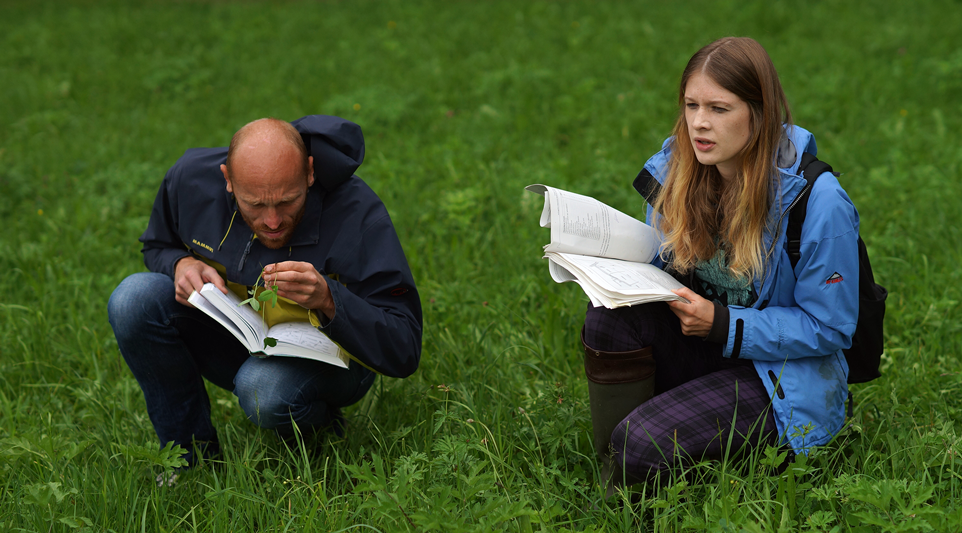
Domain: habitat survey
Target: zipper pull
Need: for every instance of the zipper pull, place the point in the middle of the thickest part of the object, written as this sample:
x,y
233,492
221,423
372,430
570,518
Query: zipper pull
x,y
247,250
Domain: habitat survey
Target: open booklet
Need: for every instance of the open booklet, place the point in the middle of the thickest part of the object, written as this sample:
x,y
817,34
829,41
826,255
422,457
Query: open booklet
x,y
294,339
603,250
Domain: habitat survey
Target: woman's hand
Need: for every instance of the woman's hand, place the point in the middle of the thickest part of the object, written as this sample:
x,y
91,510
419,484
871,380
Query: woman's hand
x,y
696,317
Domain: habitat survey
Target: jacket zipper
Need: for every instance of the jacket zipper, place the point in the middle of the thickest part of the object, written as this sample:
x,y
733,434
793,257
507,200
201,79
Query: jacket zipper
x,y
778,225
247,250
797,198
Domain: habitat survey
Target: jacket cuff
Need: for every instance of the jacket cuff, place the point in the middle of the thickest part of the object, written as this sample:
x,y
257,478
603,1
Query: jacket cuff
x,y
719,325
319,319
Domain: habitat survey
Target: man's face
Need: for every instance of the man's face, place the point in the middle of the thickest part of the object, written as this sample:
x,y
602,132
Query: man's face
x,y
271,192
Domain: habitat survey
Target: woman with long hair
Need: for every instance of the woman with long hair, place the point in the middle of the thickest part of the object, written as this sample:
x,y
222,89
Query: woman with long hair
x,y
756,357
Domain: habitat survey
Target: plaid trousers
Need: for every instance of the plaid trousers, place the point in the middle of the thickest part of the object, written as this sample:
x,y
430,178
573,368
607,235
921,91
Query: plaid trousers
x,y
704,405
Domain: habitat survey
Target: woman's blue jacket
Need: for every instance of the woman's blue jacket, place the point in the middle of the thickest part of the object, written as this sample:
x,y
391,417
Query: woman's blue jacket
x,y
802,318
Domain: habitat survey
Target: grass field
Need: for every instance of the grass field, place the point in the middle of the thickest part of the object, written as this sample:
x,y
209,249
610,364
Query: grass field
x,y
462,104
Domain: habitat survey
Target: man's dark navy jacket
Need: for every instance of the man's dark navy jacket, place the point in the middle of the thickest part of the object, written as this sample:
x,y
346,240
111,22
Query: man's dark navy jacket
x,y
346,234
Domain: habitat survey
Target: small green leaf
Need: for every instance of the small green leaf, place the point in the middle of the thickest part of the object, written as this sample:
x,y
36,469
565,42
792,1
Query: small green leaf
x,y
255,304
270,341
265,295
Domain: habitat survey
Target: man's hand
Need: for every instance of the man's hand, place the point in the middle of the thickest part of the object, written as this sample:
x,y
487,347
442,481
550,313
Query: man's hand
x,y
302,283
697,317
190,274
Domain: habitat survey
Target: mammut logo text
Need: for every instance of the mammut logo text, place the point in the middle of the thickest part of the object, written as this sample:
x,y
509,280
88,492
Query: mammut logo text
x,y
202,245
834,278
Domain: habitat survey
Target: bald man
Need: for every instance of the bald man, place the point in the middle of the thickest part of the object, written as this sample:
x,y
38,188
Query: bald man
x,y
283,198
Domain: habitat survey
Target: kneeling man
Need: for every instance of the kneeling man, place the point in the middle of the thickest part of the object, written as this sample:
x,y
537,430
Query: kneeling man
x,y
282,199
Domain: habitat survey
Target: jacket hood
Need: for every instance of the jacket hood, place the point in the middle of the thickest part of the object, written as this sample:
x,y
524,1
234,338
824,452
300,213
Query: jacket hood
x,y
337,146
797,140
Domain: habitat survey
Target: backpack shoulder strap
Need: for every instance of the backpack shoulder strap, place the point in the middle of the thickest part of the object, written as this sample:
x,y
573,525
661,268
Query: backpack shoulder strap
x,y
647,186
811,168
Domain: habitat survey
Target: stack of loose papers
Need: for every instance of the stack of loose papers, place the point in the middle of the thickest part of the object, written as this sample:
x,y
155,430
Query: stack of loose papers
x,y
603,250
613,282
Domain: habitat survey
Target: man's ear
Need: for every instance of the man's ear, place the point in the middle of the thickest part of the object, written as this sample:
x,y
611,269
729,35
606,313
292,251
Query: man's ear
x,y
310,170
223,169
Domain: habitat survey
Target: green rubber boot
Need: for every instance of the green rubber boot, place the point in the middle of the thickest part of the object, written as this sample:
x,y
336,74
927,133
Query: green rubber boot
x,y
618,382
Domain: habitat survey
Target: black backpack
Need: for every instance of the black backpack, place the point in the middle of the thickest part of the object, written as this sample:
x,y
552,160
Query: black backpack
x,y
866,352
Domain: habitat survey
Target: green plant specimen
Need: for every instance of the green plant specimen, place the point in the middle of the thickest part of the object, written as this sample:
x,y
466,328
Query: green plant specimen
x,y
268,293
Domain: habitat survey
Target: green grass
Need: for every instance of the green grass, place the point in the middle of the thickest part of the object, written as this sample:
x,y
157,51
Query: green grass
x,y
462,104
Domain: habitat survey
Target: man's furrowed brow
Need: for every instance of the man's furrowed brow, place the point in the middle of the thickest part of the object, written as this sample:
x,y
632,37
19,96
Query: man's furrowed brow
x,y
290,198
261,203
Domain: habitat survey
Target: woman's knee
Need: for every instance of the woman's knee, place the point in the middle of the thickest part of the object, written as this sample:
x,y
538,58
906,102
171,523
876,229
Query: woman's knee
x,y
639,448
623,329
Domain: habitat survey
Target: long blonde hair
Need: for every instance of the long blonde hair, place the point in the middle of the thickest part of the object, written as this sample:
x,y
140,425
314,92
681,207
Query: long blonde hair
x,y
699,213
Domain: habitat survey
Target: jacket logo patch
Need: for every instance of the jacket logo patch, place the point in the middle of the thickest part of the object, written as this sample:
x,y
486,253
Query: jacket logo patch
x,y
398,291
834,278
202,245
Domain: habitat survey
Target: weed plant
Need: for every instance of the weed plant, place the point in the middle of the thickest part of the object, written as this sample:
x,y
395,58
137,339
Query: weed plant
x,y
462,104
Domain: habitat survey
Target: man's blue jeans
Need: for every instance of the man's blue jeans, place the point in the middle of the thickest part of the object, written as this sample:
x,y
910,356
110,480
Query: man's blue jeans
x,y
171,348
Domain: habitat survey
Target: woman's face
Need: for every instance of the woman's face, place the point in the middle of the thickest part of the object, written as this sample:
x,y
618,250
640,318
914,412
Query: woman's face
x,y
719,124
